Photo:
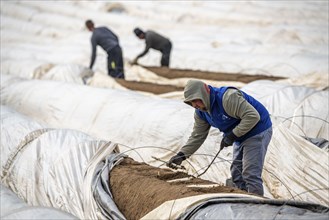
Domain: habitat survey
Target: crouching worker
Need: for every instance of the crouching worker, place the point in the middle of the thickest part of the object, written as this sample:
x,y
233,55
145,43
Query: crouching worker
x,y
246,125
105,38
155,41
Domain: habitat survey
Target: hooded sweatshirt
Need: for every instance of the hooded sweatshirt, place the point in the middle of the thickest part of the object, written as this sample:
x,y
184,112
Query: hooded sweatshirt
x,y
235,104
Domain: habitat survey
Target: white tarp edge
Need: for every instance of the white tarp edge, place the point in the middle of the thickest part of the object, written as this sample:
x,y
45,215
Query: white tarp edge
x,y
179,206
236,206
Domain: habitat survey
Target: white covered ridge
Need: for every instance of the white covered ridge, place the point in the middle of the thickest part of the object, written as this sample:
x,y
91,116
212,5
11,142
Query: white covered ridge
x,y
74,73
120,116
302,109
13,207
51,167
29,69
65,172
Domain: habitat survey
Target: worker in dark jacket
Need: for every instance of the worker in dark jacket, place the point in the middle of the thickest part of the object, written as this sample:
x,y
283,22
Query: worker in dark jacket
x,y
155,41
105,38
246,125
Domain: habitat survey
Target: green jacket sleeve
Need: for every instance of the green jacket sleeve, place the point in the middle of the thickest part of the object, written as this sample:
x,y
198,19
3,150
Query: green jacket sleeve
x,y
197,137
236,106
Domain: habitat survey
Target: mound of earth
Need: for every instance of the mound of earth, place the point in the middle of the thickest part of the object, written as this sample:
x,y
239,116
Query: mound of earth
x,y
171,73
148,87
181,73
139,188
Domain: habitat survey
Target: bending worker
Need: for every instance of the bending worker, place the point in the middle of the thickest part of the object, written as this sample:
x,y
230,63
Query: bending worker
x,y
155,41
246,125
105,38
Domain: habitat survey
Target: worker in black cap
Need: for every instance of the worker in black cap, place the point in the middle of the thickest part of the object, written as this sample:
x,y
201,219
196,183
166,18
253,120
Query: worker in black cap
x,y
155,41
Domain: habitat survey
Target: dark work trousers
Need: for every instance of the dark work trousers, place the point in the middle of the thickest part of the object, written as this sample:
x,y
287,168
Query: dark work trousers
x,y
165,59
115,63
248,162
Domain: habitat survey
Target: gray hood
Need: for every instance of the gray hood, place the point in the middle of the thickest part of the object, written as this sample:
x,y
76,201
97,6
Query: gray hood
x,y
196,89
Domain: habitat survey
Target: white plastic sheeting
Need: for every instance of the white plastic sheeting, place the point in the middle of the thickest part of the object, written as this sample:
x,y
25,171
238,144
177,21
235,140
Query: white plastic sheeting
x,y
121,116
295,106
29,69
78,74
235,206
247,209
73,73
311,117
303,110
33,69
315,80
252,38
280,99
13,207
51,167
68,73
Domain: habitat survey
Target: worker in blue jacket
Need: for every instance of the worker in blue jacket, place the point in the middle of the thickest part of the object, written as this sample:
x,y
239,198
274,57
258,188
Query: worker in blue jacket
x,y
246,125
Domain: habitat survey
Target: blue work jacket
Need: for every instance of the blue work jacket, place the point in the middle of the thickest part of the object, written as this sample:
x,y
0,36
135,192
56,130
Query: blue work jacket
x,y
218,118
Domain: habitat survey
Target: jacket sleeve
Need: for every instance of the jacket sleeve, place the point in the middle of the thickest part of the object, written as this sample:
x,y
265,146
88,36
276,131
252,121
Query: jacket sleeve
x,y
147,47
236,106
197,137
93,52
115,37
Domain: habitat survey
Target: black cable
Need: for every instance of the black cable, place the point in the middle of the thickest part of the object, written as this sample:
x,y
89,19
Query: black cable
x,y
210,164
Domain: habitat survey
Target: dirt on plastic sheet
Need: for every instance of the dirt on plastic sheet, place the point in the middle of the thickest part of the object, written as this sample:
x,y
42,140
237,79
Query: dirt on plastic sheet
x,y
139,188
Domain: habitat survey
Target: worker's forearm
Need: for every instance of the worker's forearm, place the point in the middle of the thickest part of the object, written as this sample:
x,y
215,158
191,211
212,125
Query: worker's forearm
x,y
143,53
193,143
92,61
93,53
197,137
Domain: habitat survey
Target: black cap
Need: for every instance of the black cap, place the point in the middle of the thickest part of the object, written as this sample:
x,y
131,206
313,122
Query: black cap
x,y
138,31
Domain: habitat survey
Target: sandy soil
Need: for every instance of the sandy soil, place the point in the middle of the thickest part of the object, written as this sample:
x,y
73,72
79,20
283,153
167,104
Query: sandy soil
x,y
138,188
148,87
178,73
181,73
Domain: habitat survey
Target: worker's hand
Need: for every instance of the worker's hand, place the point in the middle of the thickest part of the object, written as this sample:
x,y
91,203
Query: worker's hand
x,y
228,140
176,160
